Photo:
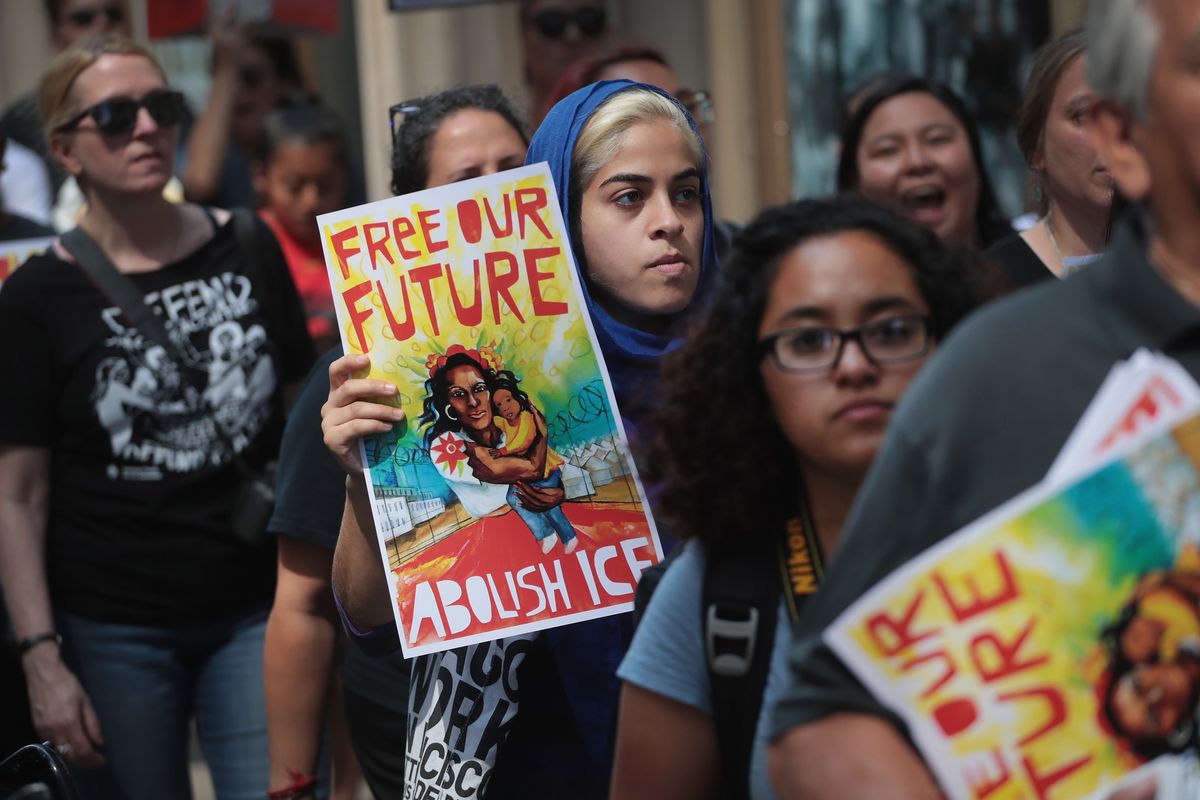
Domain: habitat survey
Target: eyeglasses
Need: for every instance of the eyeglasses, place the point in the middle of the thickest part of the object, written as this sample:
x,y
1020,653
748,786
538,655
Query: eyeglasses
x,y
552,23
118,115
698,103
816,349
84,17
399,112
489,97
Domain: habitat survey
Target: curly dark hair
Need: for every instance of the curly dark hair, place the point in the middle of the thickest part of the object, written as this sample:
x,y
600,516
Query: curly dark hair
x,y
990,222
422,118
757,488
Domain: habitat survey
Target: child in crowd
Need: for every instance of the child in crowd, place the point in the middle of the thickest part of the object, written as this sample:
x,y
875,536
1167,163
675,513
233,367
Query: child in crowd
x,y
303,172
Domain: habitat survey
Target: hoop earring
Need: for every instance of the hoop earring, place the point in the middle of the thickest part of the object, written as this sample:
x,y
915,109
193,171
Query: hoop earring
x,y
447,414
1181,737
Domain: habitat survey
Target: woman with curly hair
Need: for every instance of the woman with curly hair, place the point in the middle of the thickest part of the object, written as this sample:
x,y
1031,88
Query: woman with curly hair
x,y
453,135
828,309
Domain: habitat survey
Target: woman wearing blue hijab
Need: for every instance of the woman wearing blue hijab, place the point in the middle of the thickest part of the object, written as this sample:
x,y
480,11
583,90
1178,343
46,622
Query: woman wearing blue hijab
x,y
660,207
631,175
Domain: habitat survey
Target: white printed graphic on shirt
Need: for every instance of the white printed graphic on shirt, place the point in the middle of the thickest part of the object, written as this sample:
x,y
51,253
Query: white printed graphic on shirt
x,y
157,421
461,705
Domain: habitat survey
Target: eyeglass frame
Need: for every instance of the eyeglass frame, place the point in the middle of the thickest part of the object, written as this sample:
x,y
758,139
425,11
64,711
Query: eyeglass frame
x,y
572,18
140,103
769,344
414,106
699,103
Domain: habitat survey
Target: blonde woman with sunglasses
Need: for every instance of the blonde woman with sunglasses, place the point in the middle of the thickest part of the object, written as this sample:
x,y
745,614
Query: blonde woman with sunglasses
x,y
124,448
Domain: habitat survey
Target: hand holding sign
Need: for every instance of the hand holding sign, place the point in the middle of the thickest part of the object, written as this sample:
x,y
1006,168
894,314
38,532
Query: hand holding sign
x,y
348,415
510,503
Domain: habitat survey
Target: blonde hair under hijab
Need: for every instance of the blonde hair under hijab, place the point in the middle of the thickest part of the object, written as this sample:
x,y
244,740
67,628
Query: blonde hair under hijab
x,y
601,138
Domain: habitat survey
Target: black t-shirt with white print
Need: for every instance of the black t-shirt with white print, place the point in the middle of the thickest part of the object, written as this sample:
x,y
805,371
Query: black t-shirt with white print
x,y
141,482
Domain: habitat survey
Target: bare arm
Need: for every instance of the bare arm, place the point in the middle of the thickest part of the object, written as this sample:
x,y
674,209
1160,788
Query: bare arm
x,y
347,416
849,756
358,573
208,142
665,749
61,709
299,659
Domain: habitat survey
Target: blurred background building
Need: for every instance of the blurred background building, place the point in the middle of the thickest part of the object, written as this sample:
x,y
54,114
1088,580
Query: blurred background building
x,y
776,69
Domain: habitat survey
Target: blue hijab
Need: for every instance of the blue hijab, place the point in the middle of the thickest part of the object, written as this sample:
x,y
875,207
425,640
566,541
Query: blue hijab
x,y
631,355
587,653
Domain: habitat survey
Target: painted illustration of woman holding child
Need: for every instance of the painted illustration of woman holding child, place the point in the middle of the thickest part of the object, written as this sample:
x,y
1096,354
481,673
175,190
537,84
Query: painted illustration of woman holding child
x,y
489,442
1154,661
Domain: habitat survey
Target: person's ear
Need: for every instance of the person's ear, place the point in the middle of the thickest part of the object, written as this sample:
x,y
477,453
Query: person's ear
x,y
1038,163
62,147
1114,136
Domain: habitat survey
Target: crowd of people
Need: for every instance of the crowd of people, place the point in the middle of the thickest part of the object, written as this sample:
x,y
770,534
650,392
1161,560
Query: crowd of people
x,y
866,373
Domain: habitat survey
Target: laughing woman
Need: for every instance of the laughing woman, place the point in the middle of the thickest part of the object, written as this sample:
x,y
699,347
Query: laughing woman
x,y
631,174
911,144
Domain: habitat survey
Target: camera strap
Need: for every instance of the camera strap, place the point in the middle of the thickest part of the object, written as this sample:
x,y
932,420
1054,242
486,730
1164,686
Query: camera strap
x,y
126,295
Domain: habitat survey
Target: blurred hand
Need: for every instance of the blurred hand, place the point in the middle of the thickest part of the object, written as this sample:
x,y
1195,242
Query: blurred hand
x,y
61,710
228,36
348,414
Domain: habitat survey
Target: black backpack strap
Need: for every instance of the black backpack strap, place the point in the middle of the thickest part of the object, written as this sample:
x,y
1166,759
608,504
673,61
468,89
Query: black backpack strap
x,y
649,580
245,230
118,287
739,609
250,243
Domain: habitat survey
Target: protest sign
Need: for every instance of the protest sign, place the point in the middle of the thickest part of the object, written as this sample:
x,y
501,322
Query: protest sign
x,y
1053,647
1139,393
508,503
416,5
166,18
14,253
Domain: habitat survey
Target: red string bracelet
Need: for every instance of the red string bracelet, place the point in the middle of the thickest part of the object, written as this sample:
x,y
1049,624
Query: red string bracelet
x,y
301,787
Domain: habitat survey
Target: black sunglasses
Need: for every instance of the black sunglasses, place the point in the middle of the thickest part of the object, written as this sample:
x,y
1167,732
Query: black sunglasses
x,y
119,114
552,23
84,17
